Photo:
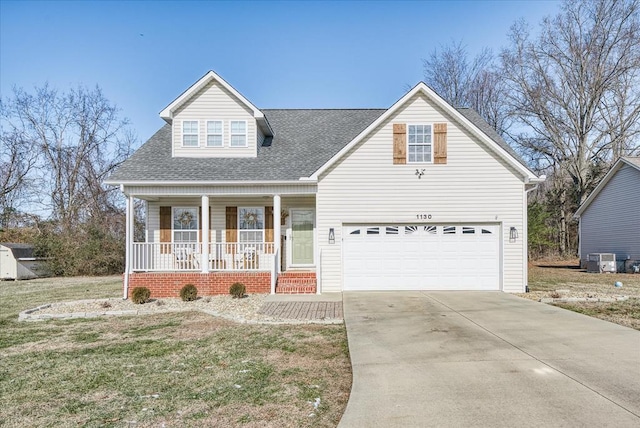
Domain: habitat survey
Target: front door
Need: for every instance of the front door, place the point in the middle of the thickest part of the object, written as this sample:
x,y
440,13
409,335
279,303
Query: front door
x,y
302,237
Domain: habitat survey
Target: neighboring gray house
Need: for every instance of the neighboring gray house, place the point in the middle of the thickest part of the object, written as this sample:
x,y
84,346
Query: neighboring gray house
x,y
610,216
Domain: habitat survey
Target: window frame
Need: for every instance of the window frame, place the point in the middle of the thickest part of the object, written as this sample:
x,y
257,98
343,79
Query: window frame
x,y
241,230
197,133
430,144
232,134
220,134
174,230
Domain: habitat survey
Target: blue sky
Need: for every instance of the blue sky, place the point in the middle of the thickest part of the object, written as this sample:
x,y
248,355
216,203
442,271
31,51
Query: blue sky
x,y
277,54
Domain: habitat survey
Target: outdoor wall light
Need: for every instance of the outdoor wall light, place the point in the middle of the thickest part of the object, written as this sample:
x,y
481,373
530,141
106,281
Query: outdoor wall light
x,y
513,234
332,236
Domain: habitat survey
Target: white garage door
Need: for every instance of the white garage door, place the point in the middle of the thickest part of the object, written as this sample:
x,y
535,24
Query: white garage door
x,y
421,257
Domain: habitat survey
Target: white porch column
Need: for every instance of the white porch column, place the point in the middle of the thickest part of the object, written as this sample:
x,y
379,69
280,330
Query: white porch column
x,y
128,246
205,234
277,220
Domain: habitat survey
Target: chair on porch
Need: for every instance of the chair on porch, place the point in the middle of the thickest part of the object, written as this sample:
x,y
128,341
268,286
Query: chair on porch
x,y
250,258
186,258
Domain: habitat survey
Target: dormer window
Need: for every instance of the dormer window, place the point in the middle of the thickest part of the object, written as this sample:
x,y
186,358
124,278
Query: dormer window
x,y
190,133
214,133
238,133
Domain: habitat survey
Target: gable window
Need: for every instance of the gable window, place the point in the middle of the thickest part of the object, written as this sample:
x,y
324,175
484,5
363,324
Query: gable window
x,y
251,224
190,133
214,133
419,143
185,224
238,133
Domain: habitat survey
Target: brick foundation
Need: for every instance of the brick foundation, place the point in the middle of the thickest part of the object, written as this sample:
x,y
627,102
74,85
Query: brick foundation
x,y
168,284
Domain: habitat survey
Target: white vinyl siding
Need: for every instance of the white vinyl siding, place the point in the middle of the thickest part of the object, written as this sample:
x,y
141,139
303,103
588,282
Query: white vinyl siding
x,y
214,133
190,133
475,187
611,223
215,103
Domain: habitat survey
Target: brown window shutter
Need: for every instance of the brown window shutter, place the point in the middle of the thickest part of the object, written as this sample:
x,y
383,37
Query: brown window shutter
x,y
232,224
165,229
268,225
440,143
399,143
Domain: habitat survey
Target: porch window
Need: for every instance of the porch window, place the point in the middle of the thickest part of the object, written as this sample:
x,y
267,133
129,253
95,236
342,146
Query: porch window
x,y
251,224
185,224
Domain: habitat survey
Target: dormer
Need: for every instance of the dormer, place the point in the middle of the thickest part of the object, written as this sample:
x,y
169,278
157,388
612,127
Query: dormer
x,y
213,120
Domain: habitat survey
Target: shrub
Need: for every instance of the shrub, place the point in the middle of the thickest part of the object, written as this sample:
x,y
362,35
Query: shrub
x,y
140,295
189,293
237,290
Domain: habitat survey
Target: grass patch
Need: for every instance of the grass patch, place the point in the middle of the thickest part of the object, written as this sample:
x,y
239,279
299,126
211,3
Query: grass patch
x,y
186,369
626,313
566,279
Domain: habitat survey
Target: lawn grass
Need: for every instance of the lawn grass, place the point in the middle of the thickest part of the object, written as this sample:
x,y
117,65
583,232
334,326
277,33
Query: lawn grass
x,y
179,369
548,276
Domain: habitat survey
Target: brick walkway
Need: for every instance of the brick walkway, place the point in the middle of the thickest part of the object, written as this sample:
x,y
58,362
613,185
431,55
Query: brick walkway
x,y
303,310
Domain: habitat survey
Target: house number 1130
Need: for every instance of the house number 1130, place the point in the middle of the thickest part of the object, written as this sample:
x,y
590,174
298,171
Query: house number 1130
x,y
423,216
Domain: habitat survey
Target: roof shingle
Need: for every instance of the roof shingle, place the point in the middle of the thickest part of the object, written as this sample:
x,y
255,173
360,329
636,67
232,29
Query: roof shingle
x,y
304,140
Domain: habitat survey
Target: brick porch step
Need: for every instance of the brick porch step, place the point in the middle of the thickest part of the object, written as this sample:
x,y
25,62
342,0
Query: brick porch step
x,y
296,282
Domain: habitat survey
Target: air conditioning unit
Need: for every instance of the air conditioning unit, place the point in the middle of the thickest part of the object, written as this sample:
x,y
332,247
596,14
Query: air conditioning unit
x,y
601,262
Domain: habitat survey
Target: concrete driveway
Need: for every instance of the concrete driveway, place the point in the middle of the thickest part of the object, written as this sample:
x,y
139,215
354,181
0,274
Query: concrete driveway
x,y
486,359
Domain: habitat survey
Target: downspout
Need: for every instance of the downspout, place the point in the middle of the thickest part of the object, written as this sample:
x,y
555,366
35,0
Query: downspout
x,y
127,267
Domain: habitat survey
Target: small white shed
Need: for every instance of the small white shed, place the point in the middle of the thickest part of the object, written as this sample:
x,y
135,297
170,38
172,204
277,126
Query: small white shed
x,y
17,261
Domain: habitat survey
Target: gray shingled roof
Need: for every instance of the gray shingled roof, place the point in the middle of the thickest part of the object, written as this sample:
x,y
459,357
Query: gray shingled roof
x,y
304,140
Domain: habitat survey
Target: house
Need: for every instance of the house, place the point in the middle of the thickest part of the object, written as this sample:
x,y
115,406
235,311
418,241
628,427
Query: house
x,y
17,261
610,216
419,196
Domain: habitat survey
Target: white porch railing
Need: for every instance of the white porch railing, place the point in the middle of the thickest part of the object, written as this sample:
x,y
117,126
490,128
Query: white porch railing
x,y
228,256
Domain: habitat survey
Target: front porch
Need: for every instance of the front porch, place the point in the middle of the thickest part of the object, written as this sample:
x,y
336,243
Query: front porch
x,y
212,243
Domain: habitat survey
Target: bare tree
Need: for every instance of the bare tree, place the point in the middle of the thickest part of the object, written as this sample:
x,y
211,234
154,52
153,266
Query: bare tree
x,y
466,82
16,161
79,139
574,89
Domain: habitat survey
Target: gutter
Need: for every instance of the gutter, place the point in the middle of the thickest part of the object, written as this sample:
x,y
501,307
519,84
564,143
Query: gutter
x,y
201,183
